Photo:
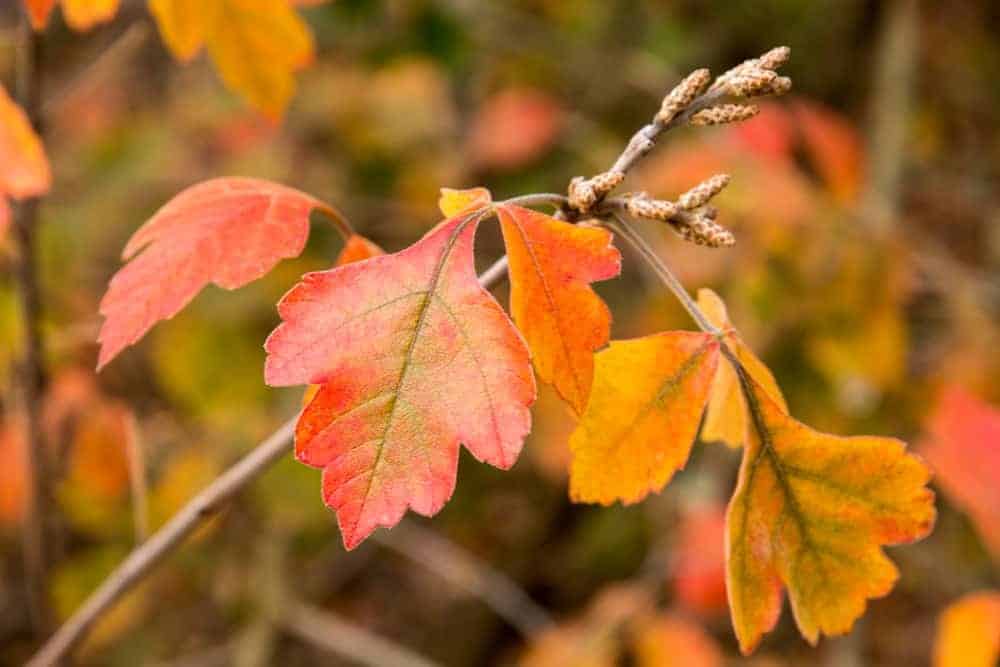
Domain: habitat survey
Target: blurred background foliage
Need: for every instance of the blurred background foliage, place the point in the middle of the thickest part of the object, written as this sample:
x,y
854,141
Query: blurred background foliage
x,y
867,212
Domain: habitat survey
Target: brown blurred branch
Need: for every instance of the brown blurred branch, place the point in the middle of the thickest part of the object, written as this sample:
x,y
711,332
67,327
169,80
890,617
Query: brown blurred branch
x,y
895,70
116,54
463,569
335,635
31,371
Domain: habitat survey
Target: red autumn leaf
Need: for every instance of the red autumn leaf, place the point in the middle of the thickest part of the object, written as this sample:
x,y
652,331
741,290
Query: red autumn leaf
x,y
552,264
514,127
13,472
414,357
699,568
963,448
769,135
227,231
834,147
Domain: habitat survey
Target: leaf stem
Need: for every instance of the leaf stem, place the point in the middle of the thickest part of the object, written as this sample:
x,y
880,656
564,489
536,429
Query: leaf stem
x,y
537,199
623,229
339,220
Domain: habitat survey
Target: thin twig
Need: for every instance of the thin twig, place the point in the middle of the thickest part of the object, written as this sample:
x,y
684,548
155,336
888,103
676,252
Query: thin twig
x,y
32,370
335,635
644,140
138,486
117,52
624,230
538,199
469,573
144,558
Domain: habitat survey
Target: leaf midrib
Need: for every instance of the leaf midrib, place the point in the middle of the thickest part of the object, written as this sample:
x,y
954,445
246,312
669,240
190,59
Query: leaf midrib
x,y
408,352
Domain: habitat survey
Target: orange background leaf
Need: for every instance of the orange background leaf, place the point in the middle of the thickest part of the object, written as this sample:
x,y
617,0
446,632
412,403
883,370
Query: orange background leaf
x,y
963,447
968,632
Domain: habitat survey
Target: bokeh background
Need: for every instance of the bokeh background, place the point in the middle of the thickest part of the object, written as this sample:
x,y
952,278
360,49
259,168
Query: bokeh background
x,y
866,274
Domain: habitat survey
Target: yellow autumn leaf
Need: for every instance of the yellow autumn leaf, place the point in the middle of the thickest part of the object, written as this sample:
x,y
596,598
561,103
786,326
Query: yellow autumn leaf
x,y
642,417
452,202
810,513
256,45
184,24
968,632
726,418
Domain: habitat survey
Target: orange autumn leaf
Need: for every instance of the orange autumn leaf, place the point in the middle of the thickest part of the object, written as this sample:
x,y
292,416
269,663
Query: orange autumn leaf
x,y
726,417
227,231
671,639
963,447
414,358
24,169
356,249
810,513
968,632
39,11
552,264
642,417
455,202
81,15
255,46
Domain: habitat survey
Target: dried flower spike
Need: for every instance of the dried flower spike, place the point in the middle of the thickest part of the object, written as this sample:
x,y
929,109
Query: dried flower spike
x,y
702,231
756,76
775,58
642,206
700,194
724,113
750,82
585,192
682,95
